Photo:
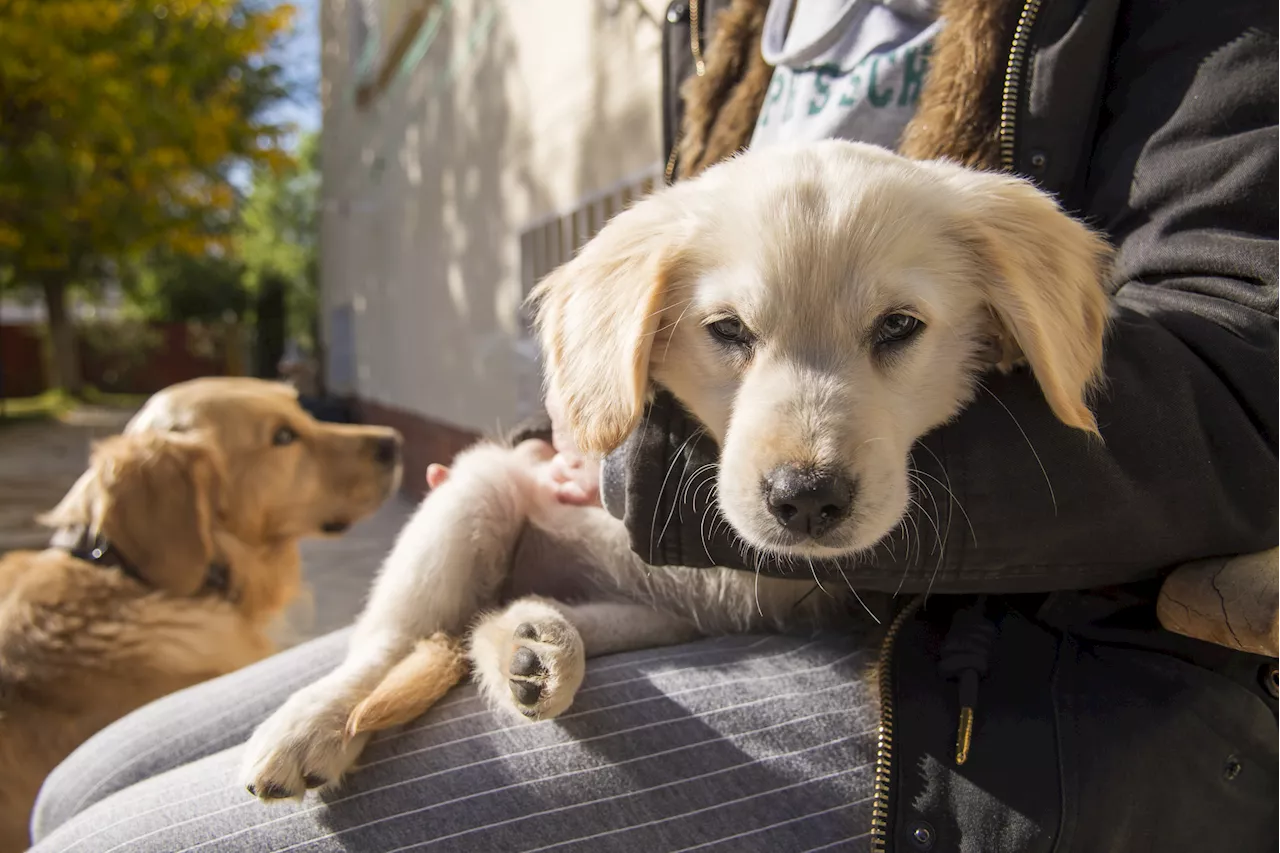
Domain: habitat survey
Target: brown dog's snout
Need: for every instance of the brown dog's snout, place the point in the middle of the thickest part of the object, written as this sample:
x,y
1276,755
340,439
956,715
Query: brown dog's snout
x,y
808,501
386,449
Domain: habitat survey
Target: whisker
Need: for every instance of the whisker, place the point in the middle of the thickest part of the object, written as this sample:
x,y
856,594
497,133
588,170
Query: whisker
x,y
668,327
759,609
653,541
667,348
874,618
702,525
947,486
1027,439
814,571
685,495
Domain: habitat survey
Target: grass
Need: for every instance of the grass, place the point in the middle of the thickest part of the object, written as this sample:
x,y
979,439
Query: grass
x,y
42,407
115,401
53,404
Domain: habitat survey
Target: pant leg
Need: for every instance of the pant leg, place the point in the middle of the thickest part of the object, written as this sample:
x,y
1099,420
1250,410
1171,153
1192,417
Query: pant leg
x,y
727,744
178,729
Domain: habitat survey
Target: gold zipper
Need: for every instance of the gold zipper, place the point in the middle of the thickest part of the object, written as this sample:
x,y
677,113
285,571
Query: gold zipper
x,y
670,172
884,735
699,68
1013,80
695,43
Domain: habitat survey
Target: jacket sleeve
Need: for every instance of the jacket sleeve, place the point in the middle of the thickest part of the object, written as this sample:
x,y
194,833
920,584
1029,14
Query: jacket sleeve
x,y
1183,177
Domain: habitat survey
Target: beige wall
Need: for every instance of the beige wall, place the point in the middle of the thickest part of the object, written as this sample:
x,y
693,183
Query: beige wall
x,y
428,187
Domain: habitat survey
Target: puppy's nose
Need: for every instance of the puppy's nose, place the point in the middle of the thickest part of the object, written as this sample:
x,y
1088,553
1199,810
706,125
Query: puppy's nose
x,y
808,501
386,451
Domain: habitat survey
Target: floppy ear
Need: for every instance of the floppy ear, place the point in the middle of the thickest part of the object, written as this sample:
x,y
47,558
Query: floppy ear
x,y
597,317
153,497
1043,274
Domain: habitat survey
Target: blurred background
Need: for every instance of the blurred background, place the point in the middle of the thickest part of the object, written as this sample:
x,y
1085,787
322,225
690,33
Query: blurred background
x,y
352,195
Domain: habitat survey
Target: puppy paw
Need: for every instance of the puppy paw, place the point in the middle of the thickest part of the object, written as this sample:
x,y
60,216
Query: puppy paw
x,y
529,659
544,667
301,746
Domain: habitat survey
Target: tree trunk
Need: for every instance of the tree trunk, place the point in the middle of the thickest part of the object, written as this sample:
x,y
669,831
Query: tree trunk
x,y
269,349
62,335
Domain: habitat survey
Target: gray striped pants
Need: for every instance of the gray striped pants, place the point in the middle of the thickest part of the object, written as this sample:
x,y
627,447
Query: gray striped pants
x,y
744,743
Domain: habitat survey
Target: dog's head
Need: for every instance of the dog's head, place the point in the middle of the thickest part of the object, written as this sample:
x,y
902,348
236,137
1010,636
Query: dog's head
x,y
158,500
288,475
819,308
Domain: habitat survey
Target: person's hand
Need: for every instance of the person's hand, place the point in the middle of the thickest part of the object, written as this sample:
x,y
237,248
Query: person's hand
x,y
564,478
574,478
575,481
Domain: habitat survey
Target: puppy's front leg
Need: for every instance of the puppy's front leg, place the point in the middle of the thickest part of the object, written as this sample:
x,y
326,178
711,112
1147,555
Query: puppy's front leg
x,y
447,564
531,657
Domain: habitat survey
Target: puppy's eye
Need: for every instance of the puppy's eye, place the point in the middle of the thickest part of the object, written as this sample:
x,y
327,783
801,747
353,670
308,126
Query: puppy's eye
x,y
284,436
897,328
732,331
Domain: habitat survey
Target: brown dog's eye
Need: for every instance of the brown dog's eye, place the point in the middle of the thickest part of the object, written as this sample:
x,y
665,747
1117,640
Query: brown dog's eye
x,y
731,330
284,436
897,328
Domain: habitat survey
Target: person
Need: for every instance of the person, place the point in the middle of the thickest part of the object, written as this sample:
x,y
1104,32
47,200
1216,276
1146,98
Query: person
x,y
1084,725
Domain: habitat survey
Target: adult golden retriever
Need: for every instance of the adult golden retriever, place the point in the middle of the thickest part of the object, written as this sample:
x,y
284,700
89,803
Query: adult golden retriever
x,y
171,555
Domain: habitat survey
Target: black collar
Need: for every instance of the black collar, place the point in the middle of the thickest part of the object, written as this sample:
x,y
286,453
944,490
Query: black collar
x,y
97,549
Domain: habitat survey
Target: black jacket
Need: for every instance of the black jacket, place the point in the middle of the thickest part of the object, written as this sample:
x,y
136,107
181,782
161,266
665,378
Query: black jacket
x,y
1095,730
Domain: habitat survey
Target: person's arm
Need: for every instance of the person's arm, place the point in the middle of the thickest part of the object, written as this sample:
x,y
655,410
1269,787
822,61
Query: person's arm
x,y
1183,177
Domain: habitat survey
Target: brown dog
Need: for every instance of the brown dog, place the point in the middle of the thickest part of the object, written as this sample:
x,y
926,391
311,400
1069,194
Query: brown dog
x,y
171,556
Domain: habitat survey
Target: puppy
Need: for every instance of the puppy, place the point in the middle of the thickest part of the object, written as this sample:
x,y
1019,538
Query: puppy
x,y
171,557
818,308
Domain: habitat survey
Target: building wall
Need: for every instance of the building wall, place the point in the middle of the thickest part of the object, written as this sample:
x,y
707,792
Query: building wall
x,y
517,110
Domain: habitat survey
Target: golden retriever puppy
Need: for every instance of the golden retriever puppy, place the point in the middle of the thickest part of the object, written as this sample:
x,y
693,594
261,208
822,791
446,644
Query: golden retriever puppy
x,y
818,308
171,556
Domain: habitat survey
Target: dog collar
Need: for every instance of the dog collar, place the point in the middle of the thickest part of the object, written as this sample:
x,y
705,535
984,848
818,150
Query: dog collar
x,y
98,550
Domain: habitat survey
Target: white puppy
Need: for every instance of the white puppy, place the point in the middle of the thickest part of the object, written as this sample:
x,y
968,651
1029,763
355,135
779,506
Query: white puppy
x,y
818,308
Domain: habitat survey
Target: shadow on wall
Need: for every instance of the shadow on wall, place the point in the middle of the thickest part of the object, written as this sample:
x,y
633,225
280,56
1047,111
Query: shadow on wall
x,y
628,130
439,226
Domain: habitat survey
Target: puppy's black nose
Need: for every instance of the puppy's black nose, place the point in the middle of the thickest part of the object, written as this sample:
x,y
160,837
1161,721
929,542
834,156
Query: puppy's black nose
x,y
808,501
386,451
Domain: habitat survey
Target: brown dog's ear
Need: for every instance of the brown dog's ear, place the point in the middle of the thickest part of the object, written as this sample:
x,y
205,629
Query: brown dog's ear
x,y
1044,274
597,317
153,497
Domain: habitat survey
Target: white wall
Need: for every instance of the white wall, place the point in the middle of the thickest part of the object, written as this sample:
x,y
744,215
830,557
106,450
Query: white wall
x,y
518,109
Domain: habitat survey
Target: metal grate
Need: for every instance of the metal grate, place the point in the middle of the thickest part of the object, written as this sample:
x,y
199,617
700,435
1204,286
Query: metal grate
x,y
552,240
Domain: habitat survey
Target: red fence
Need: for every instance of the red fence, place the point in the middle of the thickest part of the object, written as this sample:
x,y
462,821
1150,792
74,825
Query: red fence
x,y
132,359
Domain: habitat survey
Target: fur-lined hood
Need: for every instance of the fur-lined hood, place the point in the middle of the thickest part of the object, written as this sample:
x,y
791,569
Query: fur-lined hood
x,y
958,116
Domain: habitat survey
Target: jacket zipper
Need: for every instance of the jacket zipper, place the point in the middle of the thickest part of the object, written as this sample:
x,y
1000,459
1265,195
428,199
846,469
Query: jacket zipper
x,y
695,38
884,734
1013,80
668,174
884,740
699,68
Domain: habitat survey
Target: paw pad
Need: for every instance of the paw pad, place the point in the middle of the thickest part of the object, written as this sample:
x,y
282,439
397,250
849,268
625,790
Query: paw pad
x,y
525,661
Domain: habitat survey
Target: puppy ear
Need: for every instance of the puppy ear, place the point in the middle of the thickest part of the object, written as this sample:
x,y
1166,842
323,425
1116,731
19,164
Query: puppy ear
x,y
1044,274
153,497
597,317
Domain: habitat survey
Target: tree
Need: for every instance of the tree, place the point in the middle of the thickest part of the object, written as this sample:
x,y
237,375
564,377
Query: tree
x,y
171,286
120,123
277,241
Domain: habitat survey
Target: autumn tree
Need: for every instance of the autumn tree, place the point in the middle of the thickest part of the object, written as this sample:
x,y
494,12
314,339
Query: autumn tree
x,y
120,124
